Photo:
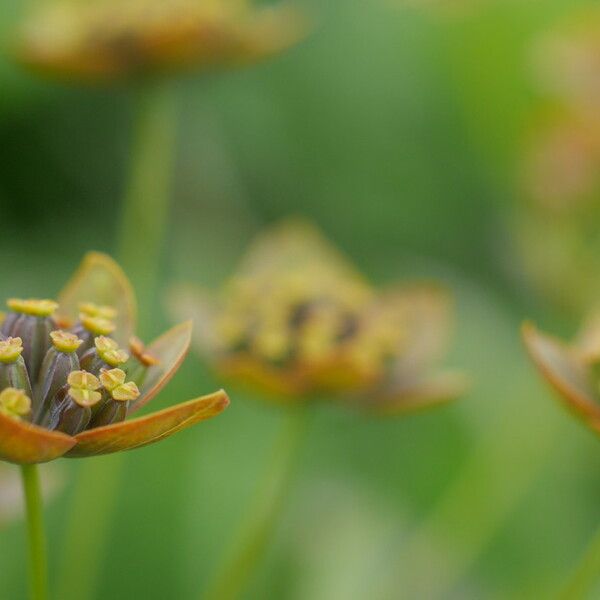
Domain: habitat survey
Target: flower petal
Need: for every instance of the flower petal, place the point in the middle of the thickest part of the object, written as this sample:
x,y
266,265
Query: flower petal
x,y
101,280
565,372
170,348
24,443
150,428
437,389
427,316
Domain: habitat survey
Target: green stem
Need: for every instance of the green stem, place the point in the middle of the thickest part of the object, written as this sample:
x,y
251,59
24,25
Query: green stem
x,y
256,531
141,235
585,573
38,566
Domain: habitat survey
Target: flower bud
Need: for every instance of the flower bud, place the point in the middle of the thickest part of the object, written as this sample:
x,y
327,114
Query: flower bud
x,y
89,327
118,395
32,321
141,360
106,354
13,372
70,410
59,361
14,403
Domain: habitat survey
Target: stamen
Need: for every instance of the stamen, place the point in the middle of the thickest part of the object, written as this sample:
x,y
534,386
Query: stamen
x,y
83,380
94,310
10,349
97,325
109,351
33,306
14,403
139,351
84,397
112,378
114,381
65,341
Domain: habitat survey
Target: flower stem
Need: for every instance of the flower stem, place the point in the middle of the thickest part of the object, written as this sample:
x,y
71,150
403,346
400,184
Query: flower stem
x,y
38,566
253,536
141,235
585,573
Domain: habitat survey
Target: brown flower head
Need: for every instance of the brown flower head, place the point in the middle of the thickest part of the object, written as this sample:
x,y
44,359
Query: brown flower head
x,y
298,321
66,388
110,40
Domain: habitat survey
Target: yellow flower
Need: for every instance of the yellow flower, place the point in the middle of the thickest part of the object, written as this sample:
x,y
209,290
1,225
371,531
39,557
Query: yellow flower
x,y
60,394
108,40
299,322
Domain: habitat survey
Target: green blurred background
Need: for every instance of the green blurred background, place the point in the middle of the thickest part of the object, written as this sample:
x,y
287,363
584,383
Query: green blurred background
x,y
398,130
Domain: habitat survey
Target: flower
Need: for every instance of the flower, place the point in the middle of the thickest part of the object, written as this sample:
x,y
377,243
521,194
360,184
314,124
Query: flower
x,y
297,321
110,40
571,369
66,388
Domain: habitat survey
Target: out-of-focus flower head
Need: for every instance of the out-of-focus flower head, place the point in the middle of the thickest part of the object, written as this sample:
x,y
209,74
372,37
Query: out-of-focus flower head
x,y
298,321
572,369
109,40
66,387
555,222
566,63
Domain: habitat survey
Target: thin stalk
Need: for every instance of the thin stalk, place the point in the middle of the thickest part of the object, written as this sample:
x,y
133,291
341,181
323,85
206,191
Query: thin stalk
x,y
38,565
585,574
141,233
253,537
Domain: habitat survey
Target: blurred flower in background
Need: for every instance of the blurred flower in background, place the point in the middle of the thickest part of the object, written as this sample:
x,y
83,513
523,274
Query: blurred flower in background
x,y
560,180
299,322
110,40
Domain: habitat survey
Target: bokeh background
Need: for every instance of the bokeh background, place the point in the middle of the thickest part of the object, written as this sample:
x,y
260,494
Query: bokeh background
x,y
403,130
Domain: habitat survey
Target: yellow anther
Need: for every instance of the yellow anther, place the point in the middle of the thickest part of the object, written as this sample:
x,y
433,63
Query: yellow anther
x,y
14,403
10,349
139,351
126,392
84,397
97,325
64,341
113,380
94,310
83,380
109,351
33,306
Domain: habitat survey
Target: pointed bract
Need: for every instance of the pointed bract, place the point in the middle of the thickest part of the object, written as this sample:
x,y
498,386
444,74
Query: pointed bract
x,y
148,429
24,443
99,279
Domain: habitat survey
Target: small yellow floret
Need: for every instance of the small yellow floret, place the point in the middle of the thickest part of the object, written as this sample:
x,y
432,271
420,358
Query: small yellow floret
x,y
64,341
33,306
10,349
14,403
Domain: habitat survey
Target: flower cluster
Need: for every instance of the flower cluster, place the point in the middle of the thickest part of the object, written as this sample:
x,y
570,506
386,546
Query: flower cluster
x,y
66,384
297,320
560,167
110,40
